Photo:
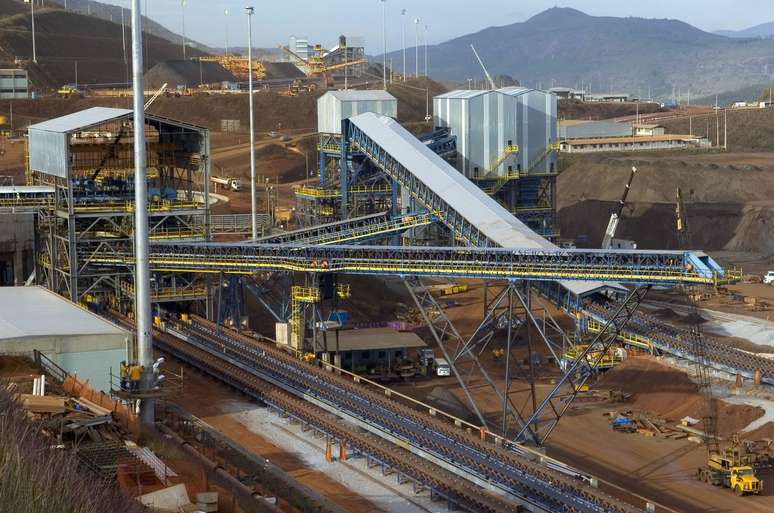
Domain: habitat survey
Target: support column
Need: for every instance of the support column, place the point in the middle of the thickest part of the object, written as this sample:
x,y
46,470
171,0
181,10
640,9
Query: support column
x,y
142,267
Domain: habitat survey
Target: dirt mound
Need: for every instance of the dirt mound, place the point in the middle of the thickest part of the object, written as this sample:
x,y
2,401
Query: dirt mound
x,y
726,208
661,390
748,129
412,97
271,152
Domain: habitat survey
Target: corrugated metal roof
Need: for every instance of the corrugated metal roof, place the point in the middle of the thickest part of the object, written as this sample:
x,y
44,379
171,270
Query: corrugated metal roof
x,y
493,220
463,94
515,90
81,119
355,95
36,311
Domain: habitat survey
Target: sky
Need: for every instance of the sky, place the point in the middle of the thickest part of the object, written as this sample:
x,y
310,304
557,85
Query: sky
x,y
323,20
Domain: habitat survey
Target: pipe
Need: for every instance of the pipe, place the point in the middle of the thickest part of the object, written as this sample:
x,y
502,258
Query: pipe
x,y
141,267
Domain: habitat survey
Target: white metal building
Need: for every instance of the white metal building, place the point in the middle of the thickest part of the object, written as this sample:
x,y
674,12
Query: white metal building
x,y
486,122
335,106
14,84
77,340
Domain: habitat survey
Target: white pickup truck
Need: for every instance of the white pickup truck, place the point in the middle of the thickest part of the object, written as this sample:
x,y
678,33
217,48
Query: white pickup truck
x,y
768,278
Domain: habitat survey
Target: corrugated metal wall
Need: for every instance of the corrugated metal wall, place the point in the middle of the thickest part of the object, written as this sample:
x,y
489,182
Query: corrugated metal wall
x,y
48,152
332,110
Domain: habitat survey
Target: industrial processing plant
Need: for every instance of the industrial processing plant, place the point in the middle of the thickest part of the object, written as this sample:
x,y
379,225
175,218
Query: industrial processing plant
x,y
318,280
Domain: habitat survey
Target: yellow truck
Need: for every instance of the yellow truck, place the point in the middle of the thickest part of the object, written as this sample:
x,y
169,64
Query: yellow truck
x,y
732,473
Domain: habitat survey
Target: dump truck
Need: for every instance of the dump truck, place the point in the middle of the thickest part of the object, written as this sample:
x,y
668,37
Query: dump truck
x,y
722,470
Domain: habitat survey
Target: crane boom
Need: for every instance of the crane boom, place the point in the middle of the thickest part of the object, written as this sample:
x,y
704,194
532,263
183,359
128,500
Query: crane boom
x,y
155,95
488,76
615,217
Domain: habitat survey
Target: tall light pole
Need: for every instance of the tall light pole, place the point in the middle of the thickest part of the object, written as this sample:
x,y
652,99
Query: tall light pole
x,y
416,47
384,44
253,199
182,13
403,39
32,15
142,306
426,28
225,13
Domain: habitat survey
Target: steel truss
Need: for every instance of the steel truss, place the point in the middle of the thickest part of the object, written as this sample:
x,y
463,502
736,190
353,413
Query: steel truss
x,y
507,315
651,267
577,373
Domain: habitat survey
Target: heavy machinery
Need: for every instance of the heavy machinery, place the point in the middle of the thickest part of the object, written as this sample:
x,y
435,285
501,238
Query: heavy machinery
x,y
68,90
235,184
731,469
609,241
317,66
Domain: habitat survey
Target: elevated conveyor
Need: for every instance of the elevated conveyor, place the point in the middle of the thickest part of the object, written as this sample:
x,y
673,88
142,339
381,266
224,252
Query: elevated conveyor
x,y
355,230
473,216
636,267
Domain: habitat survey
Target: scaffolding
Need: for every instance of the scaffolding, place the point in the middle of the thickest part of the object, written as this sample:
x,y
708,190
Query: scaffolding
x,y
86,161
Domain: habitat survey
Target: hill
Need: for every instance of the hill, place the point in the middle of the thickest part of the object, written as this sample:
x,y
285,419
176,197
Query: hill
x,y
113,13
565,46
67,39
763,30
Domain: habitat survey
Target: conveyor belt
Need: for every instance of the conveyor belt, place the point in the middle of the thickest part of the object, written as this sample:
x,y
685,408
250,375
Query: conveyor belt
x,y
350,231
538,487
679,342
655,267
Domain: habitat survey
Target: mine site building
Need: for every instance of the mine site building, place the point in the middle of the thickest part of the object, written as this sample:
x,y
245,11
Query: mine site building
x,y
641,143
369,350
14,84
335,106
77,340
647,129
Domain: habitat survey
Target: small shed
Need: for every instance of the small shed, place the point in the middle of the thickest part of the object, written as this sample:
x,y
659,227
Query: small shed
x,y
335,106
647,129
372,349
79,341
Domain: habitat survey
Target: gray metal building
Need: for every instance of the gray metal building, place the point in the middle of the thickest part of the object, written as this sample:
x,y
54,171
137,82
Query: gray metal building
x,y
577,129
14,84
77,340
486,123
335,106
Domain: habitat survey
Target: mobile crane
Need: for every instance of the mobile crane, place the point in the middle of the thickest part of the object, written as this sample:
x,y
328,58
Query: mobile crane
x,y
609,241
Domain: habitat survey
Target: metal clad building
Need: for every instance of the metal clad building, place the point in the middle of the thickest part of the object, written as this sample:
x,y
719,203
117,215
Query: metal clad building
x,y
590,129
14,84
335,106
476,118
534,115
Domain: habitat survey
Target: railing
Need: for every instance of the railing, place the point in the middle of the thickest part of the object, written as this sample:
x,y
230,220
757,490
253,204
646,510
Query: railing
x,y
236,223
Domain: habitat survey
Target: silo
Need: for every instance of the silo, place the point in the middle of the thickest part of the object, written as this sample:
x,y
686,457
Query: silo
x,y
474,117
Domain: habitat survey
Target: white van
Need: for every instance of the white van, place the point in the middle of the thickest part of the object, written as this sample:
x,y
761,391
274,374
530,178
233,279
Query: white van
x,y
442,367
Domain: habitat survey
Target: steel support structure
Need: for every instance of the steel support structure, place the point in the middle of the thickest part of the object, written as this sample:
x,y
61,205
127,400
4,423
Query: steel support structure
x,y
577,373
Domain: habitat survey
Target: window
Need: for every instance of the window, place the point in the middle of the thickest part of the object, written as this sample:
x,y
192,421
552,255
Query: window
x,y
365,355
382,354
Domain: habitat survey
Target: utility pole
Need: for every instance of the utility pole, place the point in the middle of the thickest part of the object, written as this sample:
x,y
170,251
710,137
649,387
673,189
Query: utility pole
x,y
725,129
384,44
182,12
76,74
225,13
142,306
403,39
32,15
426,74
253,199
416,47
